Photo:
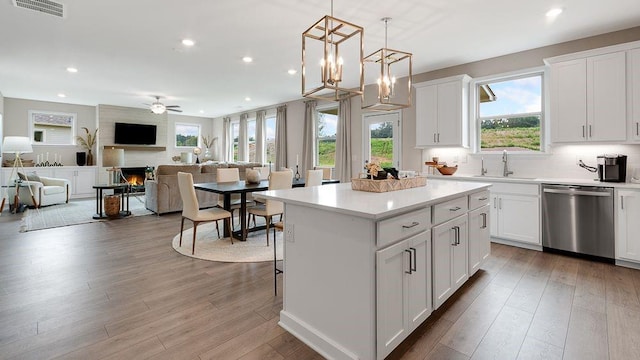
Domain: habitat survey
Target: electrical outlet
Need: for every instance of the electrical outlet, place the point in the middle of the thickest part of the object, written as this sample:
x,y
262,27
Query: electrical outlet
x,y
289,233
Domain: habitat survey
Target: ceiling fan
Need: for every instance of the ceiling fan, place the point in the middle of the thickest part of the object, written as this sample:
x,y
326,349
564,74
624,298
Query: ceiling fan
x,y
159,108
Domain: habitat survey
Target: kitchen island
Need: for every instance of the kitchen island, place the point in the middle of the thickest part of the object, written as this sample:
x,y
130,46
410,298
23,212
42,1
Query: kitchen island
x,y
358,274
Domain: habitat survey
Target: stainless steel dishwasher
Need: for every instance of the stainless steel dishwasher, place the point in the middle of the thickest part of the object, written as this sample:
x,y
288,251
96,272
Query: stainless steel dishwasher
x,y
578,220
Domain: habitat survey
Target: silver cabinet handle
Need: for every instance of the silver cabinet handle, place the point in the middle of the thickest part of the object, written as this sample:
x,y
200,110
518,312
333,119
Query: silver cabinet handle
x,y
438,137
482,199
495,202
622,202
577,192
484,221
415,260
583,131
410,262
455,235
637,130
434,139
500,203
413,224
455,208
590,134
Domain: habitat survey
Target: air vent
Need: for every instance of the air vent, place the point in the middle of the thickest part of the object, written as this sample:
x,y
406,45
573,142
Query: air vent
x,y
43,6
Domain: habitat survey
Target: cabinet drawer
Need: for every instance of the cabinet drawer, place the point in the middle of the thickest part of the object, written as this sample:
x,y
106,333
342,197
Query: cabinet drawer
x,y
450,209
403,226
519,189
478,199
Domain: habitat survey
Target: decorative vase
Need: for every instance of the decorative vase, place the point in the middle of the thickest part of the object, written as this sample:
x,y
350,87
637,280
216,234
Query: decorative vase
x,y
252,176
81,158
89,158
207,156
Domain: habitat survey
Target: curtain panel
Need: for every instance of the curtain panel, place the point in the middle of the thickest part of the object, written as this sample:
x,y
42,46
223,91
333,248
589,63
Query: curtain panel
x,y
259,141
227,140
343,142
308,136
281,137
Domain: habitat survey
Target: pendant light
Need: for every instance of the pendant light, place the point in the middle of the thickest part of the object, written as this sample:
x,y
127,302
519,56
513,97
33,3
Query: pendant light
x,y
390,91
336,47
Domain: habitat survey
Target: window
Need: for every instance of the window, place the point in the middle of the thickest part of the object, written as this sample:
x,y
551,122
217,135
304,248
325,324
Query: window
x,y
251,137
270,139
52,128
382,138
509,113
326,126
187,135
235,135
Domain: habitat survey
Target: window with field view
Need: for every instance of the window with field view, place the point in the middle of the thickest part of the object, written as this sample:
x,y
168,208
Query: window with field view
x,y
270,139
510,113
187,135
326,128
251,137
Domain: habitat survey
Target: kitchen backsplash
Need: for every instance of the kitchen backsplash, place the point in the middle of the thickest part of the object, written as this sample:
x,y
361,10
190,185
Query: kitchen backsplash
x,y
560,162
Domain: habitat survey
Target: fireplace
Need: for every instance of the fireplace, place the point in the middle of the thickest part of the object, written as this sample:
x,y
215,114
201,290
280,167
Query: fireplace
x,y
135,177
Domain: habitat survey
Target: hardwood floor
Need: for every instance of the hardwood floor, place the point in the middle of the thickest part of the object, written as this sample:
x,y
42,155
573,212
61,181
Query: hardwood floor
x,y
117,290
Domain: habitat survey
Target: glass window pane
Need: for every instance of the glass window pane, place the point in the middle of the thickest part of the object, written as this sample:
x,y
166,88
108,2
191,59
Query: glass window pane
x,y
270,139
187,135
381,135
235,134
513,134
326,137
516,96
251,135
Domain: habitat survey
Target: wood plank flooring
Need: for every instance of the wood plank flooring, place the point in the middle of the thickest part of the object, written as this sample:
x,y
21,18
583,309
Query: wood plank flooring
x,y
117,290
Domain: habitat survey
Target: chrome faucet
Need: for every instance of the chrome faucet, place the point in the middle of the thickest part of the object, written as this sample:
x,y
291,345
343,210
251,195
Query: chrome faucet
x,y
505,161
483,170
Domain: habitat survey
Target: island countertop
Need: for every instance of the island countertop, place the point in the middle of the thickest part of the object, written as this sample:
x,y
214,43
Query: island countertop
x,y
341,198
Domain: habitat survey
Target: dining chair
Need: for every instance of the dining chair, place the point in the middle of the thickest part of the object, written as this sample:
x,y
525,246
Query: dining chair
x,y
279,180
191,209
313,178
224,175
326,173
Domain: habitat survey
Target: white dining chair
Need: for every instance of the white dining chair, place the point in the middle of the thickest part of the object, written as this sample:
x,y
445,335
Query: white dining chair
x,y
191,209
279,180
313,178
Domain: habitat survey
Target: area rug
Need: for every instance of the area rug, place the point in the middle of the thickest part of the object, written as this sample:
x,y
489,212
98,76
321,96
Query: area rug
x,y
209,247
75,212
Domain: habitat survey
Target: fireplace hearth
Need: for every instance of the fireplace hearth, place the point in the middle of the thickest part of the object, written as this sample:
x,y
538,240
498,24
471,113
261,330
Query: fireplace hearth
x,y
135,177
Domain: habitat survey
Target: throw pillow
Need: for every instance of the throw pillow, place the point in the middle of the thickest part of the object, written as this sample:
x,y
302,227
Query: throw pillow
x,y
33,177
22,176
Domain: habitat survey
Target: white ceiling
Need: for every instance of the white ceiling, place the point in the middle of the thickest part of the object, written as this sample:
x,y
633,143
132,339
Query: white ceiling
x,y
126,51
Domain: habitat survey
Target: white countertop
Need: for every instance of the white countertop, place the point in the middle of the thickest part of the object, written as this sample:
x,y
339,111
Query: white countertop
x,y
541,180
342,199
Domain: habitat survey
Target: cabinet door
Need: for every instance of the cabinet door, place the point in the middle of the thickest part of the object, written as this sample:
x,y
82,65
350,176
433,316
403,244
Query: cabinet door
x,y
419,281
633,97
569,101
519,218
459,256
426,115
85,180
607,97
628,226
493,221
450,114
443,239
391,265
479,243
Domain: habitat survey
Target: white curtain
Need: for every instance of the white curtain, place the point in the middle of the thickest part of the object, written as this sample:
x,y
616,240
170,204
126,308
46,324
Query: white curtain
x,y
343,142
308,136
227,140
260,115
281,137
243,144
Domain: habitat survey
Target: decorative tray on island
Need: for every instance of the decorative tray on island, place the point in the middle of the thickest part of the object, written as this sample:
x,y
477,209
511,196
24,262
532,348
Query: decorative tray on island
x,y
380,186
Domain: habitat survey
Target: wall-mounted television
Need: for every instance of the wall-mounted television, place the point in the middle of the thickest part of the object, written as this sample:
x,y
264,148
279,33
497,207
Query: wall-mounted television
x,y
135,134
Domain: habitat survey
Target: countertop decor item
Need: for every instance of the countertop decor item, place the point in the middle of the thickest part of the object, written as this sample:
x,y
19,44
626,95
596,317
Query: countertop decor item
x,y
380,186
252,176
447,170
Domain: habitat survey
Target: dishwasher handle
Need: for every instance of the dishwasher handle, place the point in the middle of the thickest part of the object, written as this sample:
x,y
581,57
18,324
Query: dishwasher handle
x,y
578,192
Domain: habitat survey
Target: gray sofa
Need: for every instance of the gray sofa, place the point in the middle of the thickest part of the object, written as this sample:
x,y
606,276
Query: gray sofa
x,y
163,196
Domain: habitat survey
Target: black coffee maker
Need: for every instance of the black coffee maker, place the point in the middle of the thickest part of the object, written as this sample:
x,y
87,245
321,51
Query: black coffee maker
x,y
612,167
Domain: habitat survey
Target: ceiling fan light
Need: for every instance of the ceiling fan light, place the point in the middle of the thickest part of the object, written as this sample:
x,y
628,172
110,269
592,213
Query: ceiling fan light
x,y
158,108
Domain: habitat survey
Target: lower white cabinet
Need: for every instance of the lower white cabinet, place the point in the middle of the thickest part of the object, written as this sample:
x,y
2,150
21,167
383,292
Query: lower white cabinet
x,y
403,295
450,269
515,217
82,180
479,238
627,225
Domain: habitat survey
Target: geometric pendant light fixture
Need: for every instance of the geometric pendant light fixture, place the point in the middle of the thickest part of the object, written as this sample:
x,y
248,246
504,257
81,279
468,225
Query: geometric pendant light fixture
x,y
332,59
391,91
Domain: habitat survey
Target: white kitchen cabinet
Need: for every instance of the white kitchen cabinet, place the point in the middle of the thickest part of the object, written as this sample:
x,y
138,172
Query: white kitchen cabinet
x,y
403,295
450,270
442,112
82,179
627,225
633,96
479,238
515,217
588,99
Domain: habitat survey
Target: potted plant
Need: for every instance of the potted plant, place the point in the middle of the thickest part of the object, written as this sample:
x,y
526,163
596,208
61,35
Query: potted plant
x,y
88,143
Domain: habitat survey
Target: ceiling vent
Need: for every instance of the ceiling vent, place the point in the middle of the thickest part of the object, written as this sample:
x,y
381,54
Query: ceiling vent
x,y
43,6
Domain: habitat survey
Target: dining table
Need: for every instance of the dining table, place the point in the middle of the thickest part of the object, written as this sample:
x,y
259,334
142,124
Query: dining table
x,y
226,189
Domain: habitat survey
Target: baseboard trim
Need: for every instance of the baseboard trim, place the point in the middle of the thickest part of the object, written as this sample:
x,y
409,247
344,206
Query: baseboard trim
x,y
517,244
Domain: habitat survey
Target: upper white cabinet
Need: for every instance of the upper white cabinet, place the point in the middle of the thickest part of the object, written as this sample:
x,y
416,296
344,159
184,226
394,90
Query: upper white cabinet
x,y
589,99
633,95
442,112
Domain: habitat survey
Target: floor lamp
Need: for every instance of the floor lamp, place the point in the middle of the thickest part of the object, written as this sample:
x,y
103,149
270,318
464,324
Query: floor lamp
x,y
16,145
114,159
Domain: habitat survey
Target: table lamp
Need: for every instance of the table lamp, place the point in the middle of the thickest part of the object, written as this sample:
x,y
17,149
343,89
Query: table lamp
x,y
17,145
114,159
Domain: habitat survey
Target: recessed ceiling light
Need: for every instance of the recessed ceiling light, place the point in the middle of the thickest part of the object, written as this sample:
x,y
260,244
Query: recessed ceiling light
x,y
188,42
292,71
554,12
247,59
72,70
201,111
62,95
247,99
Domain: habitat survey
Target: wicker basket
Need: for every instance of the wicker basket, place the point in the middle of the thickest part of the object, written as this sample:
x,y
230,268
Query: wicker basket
x,y
112,205
380,186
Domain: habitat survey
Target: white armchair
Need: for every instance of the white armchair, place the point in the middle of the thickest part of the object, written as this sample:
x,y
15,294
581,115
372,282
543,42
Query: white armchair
x,y
47,191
